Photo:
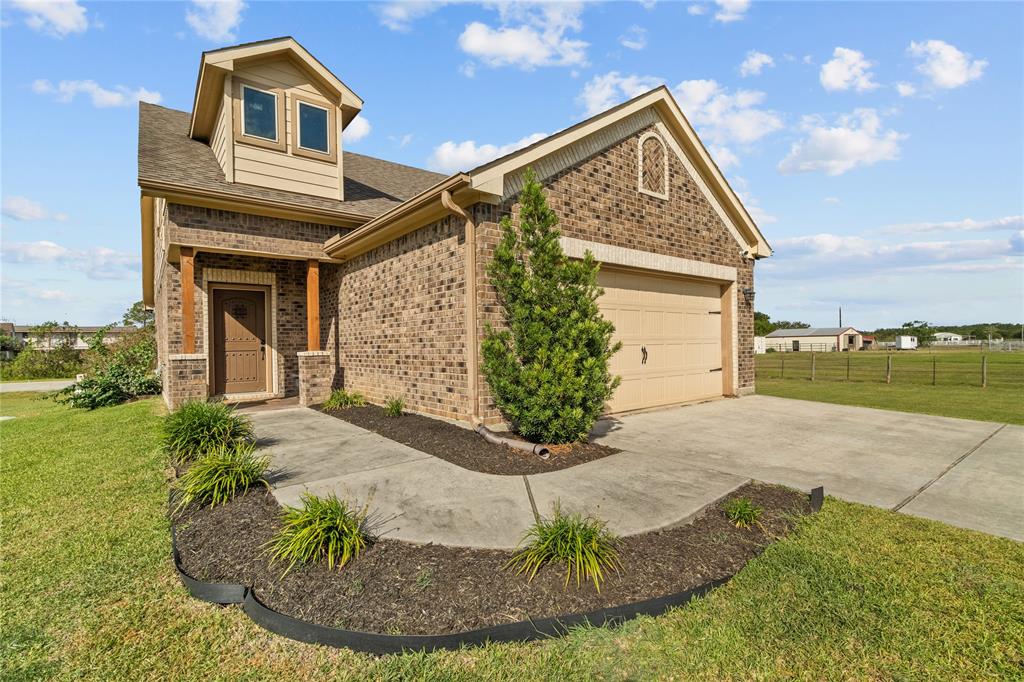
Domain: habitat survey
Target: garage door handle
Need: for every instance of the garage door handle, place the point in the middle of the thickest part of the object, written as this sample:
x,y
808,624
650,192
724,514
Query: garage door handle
x,y
643,355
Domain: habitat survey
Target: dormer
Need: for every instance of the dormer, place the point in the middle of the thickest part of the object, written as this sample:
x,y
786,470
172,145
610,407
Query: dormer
x,y
274,116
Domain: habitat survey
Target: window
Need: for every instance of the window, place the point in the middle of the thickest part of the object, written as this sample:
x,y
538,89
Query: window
x,y
313,128
259,113
652,165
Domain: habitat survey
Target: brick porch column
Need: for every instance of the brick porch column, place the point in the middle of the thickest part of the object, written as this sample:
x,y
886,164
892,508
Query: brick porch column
x,y
316,375
185,379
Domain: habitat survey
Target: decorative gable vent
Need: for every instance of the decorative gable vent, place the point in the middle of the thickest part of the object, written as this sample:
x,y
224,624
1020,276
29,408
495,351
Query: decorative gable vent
x,y
653,166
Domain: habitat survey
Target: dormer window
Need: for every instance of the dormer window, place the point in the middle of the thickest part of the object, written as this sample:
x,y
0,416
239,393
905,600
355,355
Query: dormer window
x,y
313,128
259,113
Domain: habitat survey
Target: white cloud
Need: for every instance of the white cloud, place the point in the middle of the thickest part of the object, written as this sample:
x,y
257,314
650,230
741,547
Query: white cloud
x,y
98,262
847,69
606,90
529,36
1013,222
635,38
101,97
697,10
399,16
731,10
857,139
23,289
57,18
216,20
451,157
357,129
23,208
723,117
402,141
906,89
831,200
755,63
723,157
944,65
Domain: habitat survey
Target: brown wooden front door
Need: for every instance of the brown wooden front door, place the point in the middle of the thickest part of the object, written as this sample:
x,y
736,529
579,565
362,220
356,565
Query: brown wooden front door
x,y
239,341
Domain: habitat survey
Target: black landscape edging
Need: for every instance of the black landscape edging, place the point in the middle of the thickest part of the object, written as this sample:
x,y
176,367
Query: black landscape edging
x,y
378,643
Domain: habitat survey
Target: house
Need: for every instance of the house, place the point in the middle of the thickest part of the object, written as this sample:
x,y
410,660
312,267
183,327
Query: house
x,y
816,339
75,337
947,339
280,264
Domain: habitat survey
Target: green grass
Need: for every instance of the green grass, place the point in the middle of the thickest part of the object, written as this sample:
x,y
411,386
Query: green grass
x,y
88,590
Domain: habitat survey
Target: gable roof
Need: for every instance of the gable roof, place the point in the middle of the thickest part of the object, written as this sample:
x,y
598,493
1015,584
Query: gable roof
x,y
214,65
171,160
811,331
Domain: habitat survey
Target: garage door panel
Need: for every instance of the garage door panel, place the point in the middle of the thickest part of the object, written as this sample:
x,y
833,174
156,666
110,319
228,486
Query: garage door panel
x,y
672,319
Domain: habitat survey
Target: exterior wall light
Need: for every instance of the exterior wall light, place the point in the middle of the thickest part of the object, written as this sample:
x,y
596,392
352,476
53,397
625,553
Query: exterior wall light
x,y
748,294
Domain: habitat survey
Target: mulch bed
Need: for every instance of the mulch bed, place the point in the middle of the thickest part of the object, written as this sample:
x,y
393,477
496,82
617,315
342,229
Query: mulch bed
x,y
399,588
464,447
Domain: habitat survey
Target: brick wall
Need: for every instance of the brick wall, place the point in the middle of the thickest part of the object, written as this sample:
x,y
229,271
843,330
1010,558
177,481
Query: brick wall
x,y
316,375
598,200
184,379
400,324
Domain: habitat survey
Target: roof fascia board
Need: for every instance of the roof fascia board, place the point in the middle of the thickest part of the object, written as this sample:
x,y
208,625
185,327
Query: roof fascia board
x,y
148,208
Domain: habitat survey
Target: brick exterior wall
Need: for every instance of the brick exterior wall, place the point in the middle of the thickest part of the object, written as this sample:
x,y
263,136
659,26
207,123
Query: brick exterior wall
x,y
184,379
400,322
598,201
316,375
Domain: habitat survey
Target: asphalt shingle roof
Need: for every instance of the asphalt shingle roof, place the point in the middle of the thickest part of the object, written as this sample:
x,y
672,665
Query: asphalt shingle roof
x,y
810,331
168,155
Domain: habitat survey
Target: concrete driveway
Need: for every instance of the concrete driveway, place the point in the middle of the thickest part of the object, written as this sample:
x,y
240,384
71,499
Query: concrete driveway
x,y
965,473
35,386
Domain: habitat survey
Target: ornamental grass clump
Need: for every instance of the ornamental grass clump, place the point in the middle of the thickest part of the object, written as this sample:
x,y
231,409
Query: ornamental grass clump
x,y
742,512
341,399
218,476
394,407
548,371
199,427
322,528
581,543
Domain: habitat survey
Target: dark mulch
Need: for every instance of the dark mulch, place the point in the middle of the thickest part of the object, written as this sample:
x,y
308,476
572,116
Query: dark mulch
x,y
396,587
464,447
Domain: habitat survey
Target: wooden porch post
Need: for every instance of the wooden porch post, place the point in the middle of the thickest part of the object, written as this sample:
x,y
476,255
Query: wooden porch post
x,y
313,304
188,300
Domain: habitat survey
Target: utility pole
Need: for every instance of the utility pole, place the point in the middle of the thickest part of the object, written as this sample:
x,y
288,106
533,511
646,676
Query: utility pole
x,y
840,317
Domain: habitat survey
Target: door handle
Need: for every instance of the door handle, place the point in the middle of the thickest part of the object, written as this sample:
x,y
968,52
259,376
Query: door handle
x,y
643,355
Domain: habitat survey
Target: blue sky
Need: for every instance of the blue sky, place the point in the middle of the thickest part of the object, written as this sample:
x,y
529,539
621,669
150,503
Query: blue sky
x,y
880,146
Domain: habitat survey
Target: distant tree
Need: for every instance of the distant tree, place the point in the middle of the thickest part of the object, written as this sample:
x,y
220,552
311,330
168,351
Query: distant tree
x,y
139,316
762,324
924,331
9,343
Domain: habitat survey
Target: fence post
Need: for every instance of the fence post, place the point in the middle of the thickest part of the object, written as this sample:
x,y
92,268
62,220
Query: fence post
x,y
849,354
984,371
812,366
888,368
782,373
933,370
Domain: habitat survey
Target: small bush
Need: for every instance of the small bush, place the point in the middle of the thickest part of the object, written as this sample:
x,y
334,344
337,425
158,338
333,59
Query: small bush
x,y
341,399
116,373
31,363
394,407
583,544
742,512
219,475
322,528
198,427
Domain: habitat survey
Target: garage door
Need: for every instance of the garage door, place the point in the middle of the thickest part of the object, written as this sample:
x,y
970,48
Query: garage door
x,y
671,334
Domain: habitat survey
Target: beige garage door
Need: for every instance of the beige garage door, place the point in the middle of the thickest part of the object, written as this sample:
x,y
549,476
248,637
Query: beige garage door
x,y
671,334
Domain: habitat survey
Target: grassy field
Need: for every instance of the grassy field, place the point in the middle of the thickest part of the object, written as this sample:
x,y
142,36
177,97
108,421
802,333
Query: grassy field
x,y
88,590
957,390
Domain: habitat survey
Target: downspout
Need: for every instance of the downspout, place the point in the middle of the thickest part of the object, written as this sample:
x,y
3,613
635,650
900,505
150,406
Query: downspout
x,y
471,331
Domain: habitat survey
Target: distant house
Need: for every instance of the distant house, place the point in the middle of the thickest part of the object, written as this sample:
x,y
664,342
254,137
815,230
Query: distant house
x,y
77,337
817,339
947,338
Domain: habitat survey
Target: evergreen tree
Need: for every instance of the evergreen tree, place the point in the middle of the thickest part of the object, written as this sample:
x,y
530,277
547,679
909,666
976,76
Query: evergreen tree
x,y
548,370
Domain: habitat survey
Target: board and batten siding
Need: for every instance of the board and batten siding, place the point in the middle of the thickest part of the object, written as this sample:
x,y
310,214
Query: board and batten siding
x,y
269,168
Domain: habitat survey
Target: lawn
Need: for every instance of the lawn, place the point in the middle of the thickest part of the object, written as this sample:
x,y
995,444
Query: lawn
x,y
88,590
957,389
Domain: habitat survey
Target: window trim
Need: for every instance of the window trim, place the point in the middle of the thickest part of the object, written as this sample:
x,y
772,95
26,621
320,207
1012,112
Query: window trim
x,y
640,166
331,156
280,144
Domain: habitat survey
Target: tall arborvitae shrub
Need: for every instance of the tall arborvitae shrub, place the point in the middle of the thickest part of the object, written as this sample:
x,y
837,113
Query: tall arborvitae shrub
x,y
548,371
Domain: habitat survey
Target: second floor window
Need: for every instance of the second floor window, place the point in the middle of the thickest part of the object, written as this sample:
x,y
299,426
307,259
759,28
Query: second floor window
x,y
259,113
313,128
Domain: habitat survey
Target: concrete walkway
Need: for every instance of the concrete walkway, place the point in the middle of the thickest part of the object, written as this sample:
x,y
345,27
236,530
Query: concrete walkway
x,y
420,498
35,386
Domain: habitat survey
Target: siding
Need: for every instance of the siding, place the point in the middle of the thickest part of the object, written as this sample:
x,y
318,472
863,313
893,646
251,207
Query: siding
x,y
221,141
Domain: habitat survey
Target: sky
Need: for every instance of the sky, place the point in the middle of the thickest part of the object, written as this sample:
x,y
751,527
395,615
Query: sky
x,y
879,146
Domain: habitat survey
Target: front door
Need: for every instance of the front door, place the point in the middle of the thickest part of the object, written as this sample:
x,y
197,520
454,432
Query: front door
x,y
239,341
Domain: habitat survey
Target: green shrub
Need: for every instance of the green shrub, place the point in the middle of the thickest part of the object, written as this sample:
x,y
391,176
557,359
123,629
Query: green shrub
x,y
322,528
394,407
548,370
116,373
341,399
583,544
742,512
31,363
219,475
198,427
